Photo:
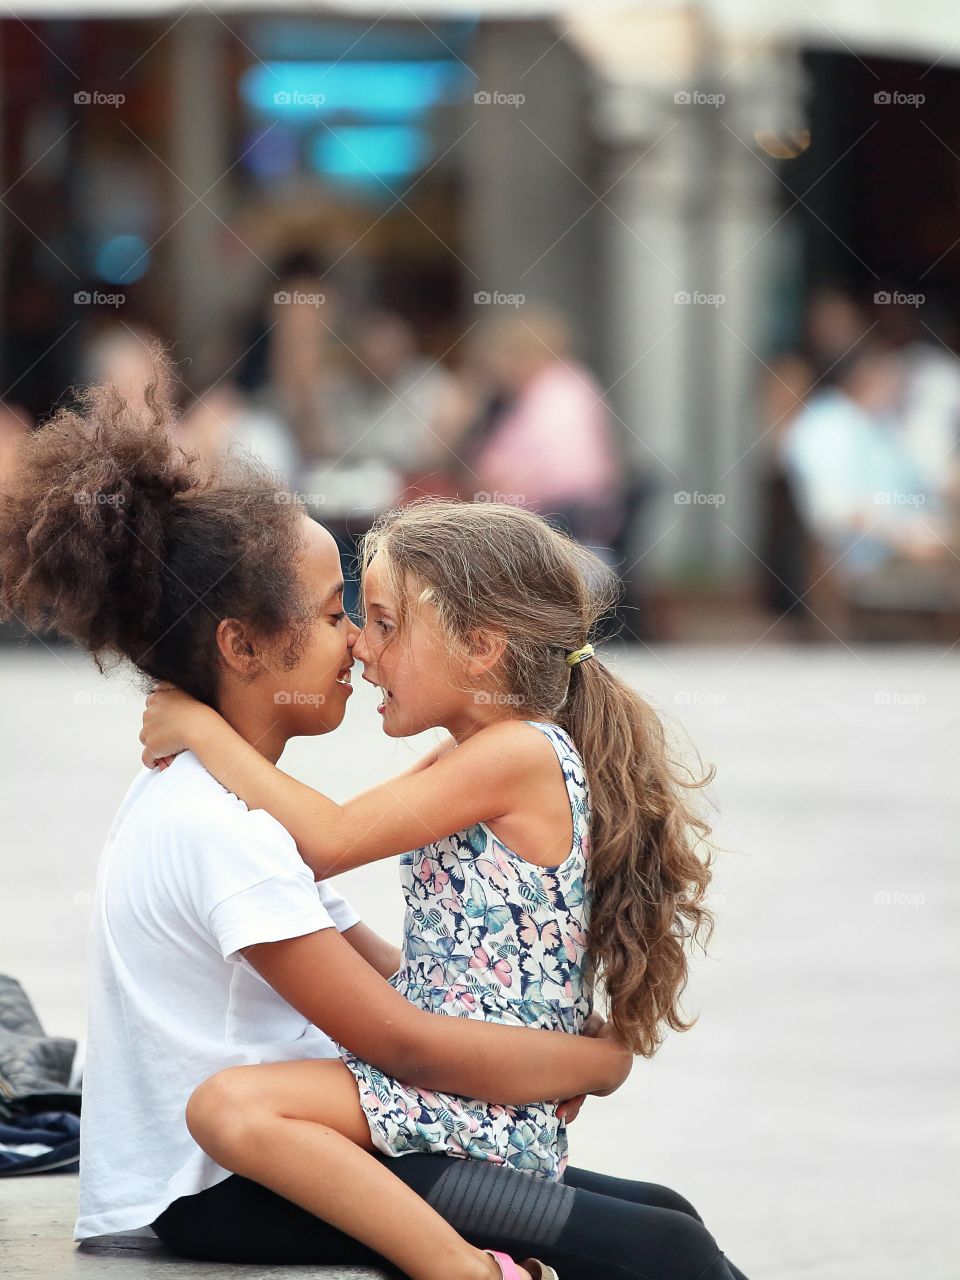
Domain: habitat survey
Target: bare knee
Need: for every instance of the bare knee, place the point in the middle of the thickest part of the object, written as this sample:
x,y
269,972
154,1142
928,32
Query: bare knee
x,y
223,1114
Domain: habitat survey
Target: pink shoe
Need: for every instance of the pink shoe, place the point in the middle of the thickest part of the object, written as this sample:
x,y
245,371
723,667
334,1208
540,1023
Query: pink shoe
x,y
531,1268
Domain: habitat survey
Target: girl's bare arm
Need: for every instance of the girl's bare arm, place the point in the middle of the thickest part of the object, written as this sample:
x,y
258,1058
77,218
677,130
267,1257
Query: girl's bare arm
x,y
323,977
484,778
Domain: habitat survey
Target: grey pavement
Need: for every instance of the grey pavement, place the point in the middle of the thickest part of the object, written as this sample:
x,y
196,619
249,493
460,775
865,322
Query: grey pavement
x,y
811,1113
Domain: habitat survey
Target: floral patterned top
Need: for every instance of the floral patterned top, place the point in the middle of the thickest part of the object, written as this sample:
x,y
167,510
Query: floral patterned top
x,y
490,935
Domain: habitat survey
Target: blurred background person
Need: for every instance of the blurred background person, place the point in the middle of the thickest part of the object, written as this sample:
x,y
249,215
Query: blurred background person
x,y
291,351
834,322
15,422
546,439
119,353
858,488
930,400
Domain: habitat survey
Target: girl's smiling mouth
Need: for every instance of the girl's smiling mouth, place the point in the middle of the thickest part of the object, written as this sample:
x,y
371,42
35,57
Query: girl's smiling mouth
x,y
385,695
343,677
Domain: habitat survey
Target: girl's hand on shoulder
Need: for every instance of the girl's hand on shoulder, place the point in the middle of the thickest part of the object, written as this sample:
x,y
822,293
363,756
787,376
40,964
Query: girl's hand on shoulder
x,y
169,720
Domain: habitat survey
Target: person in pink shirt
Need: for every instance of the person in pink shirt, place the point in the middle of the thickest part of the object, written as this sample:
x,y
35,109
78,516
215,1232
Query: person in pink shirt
x,y
552,446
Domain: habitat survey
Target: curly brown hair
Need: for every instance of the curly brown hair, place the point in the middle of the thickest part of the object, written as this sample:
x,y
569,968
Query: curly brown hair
x,y
115,537
493,566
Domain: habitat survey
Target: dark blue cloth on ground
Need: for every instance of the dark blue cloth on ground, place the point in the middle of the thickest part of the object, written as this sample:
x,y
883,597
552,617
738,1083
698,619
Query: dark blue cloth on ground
x,y
40,1143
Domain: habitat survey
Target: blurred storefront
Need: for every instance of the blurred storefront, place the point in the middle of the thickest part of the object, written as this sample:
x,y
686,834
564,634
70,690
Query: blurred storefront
x,y
670,177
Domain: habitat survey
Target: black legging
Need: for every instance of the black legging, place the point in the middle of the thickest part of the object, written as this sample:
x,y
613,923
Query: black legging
x,y
590,1227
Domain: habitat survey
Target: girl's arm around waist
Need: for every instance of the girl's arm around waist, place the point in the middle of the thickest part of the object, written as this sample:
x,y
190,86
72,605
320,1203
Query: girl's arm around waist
x,y
327,981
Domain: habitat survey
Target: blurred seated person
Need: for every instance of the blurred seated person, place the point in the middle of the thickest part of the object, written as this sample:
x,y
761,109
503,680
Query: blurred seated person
x,y
857,487
120,354
931,393
548,442
15,423
386,405
383,415
834,324
224,417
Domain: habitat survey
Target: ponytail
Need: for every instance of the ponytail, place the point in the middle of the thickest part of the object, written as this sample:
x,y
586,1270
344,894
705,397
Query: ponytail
x,y
647,876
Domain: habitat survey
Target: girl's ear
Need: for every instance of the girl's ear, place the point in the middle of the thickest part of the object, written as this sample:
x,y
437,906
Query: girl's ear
x,y
485,649
237,648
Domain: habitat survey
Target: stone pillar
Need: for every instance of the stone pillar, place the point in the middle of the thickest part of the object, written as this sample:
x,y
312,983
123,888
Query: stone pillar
x,y
199,154
528,224
687,269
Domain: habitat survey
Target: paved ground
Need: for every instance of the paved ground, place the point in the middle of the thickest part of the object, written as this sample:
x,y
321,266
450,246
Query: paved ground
x,y
811,1115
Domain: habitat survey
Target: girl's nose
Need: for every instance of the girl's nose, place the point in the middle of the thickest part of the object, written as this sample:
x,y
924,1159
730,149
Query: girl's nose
x,y
353,634
358,646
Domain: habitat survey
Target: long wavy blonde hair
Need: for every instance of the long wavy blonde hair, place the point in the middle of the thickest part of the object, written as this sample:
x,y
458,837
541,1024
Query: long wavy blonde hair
x,y
496,567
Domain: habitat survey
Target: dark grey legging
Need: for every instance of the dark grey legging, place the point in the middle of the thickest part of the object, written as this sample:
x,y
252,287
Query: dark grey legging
x,y
590,1227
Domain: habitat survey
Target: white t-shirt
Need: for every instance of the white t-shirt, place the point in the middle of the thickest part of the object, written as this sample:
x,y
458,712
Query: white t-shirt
x,y
187,878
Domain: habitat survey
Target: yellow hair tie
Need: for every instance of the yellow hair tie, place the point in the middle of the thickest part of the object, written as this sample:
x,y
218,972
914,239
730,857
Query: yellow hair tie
x,y
579,655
